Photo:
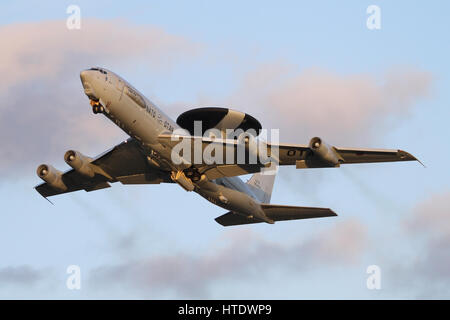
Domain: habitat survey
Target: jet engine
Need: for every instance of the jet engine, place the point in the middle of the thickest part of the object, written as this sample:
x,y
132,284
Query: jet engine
x,y
324,152
79,163
52,176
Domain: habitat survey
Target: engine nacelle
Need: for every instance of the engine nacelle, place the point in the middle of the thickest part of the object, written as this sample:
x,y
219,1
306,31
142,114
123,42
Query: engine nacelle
x,y
324,152
79,163
52,176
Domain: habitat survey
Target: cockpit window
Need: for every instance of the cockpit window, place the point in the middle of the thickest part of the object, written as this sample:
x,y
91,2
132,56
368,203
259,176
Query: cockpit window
x,y
98,69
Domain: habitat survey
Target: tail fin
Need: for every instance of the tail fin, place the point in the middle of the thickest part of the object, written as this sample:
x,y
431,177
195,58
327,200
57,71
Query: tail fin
x,y
262,186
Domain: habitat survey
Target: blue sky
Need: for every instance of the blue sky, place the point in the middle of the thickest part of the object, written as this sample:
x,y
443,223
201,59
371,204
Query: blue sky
x,y
265,58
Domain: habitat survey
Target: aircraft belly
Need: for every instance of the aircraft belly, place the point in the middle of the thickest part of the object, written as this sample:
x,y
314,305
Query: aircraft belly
x,y
140,125
232,200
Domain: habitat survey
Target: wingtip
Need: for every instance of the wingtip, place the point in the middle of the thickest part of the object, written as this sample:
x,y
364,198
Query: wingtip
x,y
36,188
421,163
49,200
219,221
406,156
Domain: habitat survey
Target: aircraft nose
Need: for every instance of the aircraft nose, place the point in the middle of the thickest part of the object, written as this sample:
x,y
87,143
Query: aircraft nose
x,y
85,77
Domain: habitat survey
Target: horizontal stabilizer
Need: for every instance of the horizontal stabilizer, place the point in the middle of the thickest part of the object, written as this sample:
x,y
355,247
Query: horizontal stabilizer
x,y
276,213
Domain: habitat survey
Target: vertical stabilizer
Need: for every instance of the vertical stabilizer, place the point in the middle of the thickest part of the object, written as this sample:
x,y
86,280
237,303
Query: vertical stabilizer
x,y
262,185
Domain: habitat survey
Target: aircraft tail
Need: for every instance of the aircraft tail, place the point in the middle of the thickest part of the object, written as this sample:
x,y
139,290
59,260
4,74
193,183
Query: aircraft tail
x,y
262,186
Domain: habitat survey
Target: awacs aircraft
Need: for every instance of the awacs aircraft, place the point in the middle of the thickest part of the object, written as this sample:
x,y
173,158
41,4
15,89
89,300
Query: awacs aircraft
x,y
147,156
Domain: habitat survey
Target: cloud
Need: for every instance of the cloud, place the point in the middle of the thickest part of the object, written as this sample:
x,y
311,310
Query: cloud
x,y
431,217
345,109
427,273
43,110
20,275
48,49
431,222
246,255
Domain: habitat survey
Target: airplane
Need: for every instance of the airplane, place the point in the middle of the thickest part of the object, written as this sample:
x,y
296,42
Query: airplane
x,y
146,157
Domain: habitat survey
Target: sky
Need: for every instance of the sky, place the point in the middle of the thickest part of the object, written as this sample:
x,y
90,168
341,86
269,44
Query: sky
x,y
305,68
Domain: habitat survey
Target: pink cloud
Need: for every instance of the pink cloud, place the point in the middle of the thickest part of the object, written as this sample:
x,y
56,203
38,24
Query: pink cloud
x,y
244,255
344,109
48,49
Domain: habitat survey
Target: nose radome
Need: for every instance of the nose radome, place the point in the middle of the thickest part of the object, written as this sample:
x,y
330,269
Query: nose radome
x,y
86,81
84,75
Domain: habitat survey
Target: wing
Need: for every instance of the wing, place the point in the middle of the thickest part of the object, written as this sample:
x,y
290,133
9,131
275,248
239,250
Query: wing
x,y
302,156
125,163
221,166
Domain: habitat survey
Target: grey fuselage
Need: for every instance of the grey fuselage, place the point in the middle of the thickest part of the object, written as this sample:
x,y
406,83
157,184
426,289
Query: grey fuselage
x,y
143,121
